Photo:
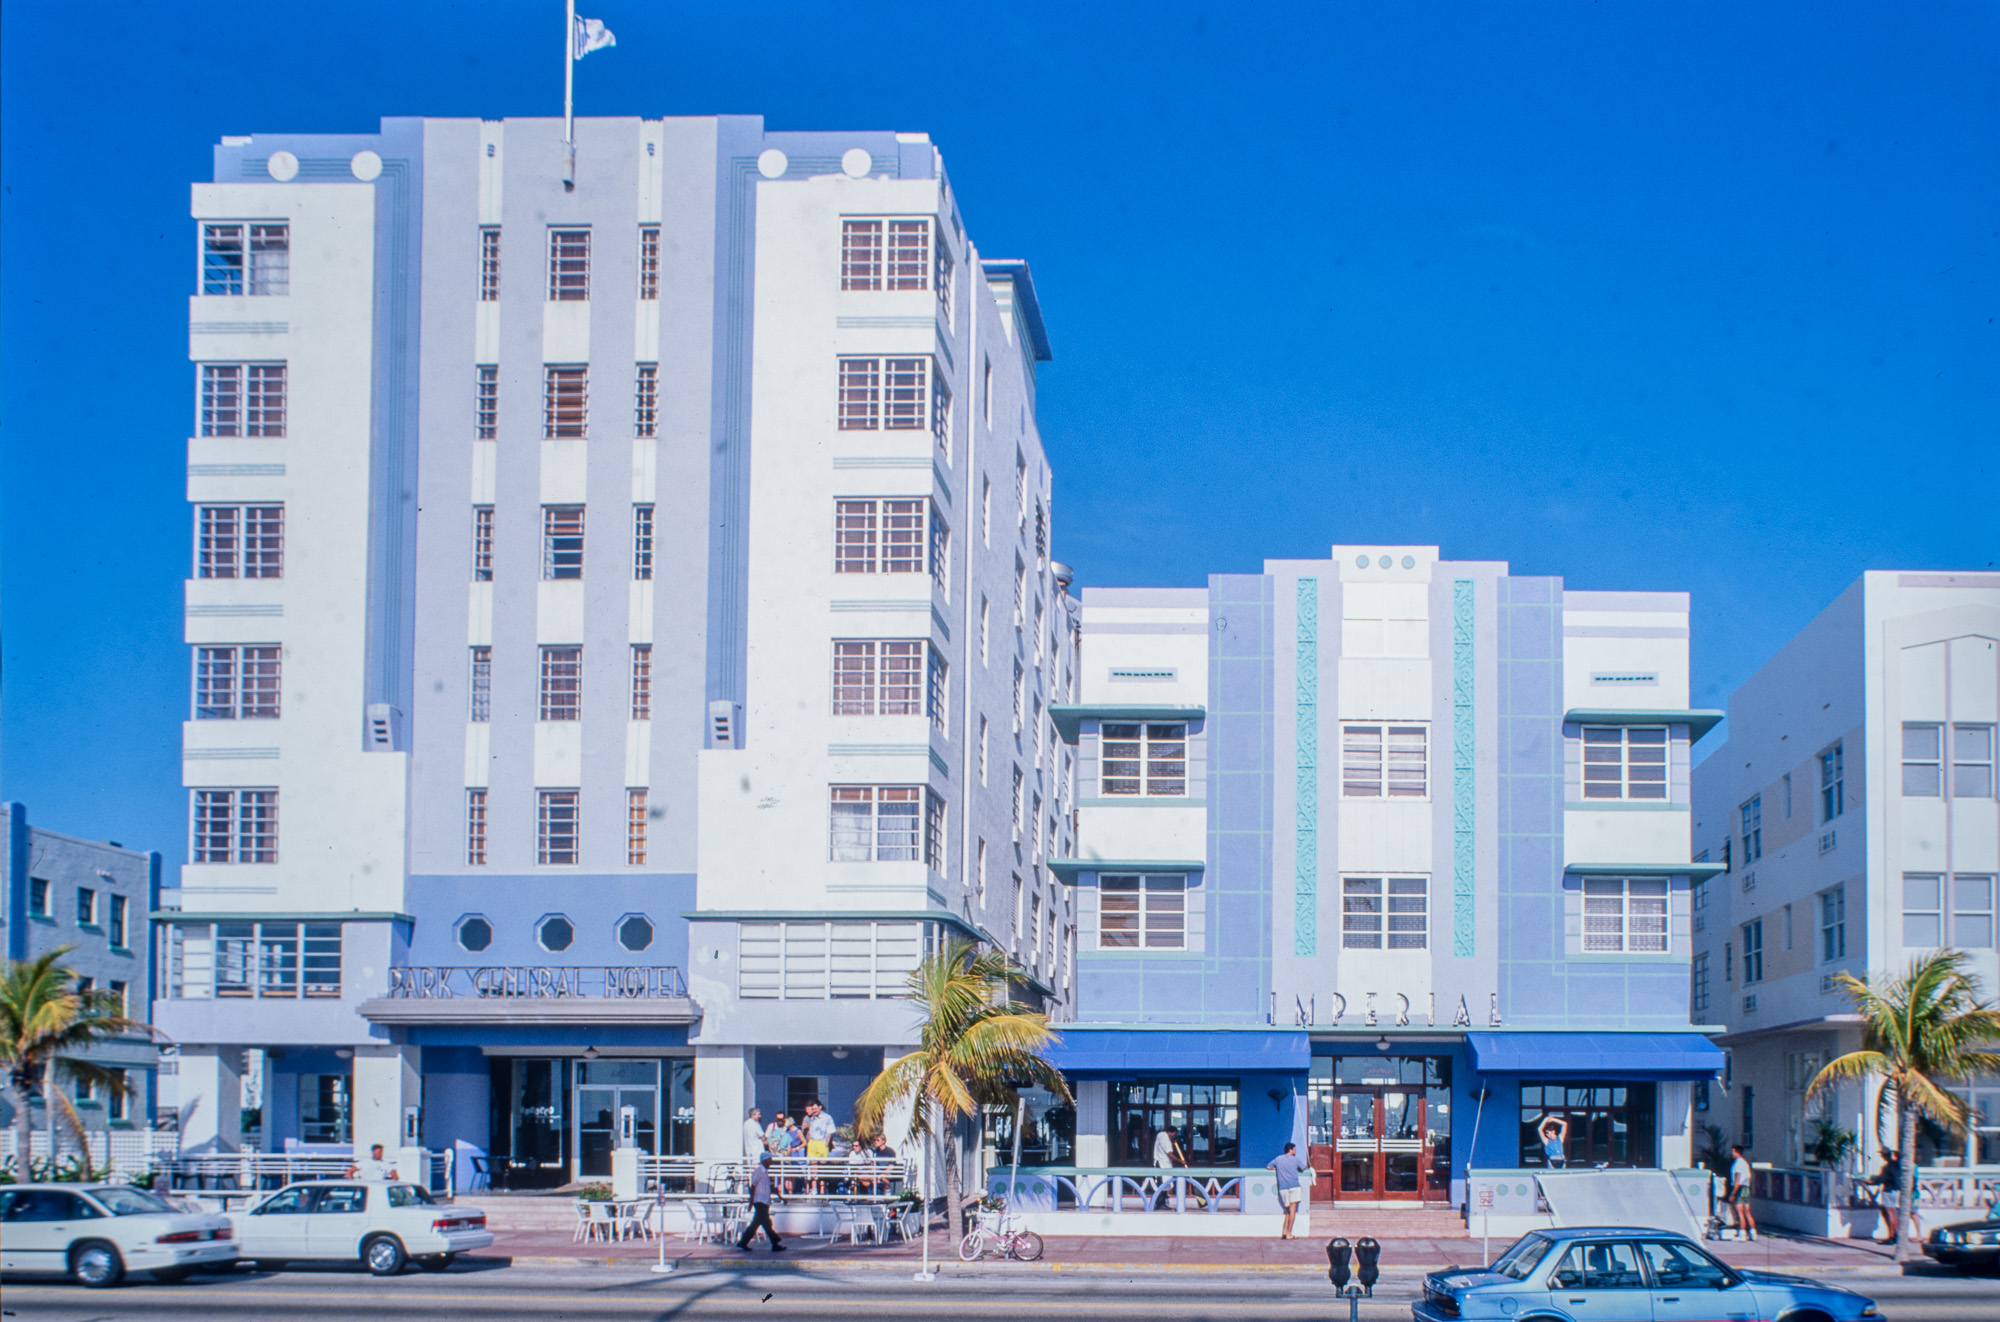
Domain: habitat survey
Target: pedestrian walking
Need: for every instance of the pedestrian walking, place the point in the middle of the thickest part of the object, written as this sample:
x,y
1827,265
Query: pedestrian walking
x,y
760,1207
1289,1166
1739,1192
753,1135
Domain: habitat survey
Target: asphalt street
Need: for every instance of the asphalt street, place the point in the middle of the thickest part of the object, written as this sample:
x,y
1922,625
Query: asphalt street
x,y
1012,1292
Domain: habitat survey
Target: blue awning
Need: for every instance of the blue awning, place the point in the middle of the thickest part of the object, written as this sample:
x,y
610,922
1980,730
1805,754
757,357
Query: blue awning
x,y
1178,1051
1597,1055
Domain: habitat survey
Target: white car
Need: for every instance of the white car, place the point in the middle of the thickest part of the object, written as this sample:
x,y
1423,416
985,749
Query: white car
x,y
381,1224
98,1232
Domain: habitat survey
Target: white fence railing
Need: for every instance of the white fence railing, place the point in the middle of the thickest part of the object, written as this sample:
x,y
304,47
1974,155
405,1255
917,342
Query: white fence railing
x,y
128,1152
825,1174
257,1172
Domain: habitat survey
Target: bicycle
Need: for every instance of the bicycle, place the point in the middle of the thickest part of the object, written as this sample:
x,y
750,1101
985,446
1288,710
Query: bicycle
x,y
993,1234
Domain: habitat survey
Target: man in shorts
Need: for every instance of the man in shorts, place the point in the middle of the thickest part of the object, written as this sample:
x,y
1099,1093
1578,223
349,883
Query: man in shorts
x,y
1739,1192
1289,1166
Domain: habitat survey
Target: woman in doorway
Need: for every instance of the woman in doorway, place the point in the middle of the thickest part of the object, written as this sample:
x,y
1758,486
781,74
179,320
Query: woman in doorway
x,y
1555,1141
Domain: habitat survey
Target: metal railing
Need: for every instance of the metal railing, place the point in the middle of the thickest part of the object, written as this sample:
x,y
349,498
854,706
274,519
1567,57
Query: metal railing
x,y
1973,1187
536,981
260,1172
1178,1190
805,1176
261,960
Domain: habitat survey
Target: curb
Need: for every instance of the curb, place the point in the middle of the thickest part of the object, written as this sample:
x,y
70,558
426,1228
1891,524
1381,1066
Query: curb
x,y
1192,1268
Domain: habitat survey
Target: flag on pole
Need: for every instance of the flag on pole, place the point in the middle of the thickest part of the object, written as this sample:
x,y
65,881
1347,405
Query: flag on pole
x,y
590,35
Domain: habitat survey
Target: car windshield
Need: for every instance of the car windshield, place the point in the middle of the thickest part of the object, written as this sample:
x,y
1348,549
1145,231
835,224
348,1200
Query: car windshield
x,y
408,1195
123,1200
1518,1261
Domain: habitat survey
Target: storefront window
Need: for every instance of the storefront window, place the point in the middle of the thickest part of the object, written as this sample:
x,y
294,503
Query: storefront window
x,y
1608,1123
1200,1113
1048,1134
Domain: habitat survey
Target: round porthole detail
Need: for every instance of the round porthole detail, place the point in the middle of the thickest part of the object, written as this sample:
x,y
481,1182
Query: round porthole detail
x,y
555,933
635,932
474,933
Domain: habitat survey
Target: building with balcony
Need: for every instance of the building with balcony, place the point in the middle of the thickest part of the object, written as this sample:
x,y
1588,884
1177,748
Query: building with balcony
x,y
1385,855
623,632
90,898
1852,816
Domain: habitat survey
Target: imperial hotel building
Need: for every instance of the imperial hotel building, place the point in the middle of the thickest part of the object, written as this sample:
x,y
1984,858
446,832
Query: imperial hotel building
x,y
623,634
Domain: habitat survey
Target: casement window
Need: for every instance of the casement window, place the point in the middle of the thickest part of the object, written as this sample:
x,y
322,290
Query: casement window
x,y
937,687
942,279
1698,986
1035,816
1833,924
1020,910
1752,935
1147,759
886,254
242,399
879,678
241,541
887,537
1020,595
982,750
1020,698
1753,829
562,683
86,907
1624,762
1972,911
486,403
986,502
1964,900
116,922
642,681
1623,914
642,542
475,828
1034,941
649,263
481,685
1923,909
482,543
555,827
985,631
237,682
635,827
38,897
979,869
940,557
646,400
569,266
1832,784
1384,761
565,401
239,259
1378,913
893,394
121,992
562,541
236,826
1020,491
1970,762
489,264
1018,805
886,824
1041,538
941,413
1142,911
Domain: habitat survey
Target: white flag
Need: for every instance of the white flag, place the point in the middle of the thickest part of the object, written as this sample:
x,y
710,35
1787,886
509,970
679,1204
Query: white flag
x,y
591,34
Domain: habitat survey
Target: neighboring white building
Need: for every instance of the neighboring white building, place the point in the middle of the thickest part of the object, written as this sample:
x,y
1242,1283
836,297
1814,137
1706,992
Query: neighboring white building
x,y
585,580
1853,808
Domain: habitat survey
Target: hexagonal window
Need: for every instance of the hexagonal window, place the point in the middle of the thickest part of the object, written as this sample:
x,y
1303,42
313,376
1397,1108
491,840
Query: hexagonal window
x,y
474,933
635,931
555,932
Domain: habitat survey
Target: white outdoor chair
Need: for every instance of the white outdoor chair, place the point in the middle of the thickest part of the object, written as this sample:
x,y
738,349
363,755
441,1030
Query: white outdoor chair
x,y
582,1222
600,1222
850,1221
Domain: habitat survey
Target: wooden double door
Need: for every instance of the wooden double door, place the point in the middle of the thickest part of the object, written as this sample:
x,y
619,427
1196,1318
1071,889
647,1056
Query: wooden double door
x,y
1380,1149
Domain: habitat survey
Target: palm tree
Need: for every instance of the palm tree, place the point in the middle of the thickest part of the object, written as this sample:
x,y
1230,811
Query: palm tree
x,y
972,1044
46,1021
1918,1031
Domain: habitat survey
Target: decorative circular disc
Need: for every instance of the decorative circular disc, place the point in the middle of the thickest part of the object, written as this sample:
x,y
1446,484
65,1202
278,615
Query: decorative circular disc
x,y
771,163
283,166
366,166
856,162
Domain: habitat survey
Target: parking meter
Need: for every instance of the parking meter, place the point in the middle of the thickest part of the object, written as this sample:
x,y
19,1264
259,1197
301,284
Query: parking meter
x,y
1337,1251
1366,1252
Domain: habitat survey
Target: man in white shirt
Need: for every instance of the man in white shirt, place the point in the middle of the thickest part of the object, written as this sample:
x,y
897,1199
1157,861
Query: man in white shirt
x,y
375,1168
753,1135
1739,1192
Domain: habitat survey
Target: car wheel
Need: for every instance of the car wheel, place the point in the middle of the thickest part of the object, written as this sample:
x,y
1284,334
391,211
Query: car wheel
x,y
437,1262
96,1264
383,1255
172,1274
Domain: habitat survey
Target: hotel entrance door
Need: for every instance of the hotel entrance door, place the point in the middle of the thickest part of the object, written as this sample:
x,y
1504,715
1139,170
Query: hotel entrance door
x,y
1378,1149
1379,1128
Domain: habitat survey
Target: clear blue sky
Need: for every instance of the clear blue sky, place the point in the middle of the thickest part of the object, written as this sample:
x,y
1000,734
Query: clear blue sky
x,y
1696,296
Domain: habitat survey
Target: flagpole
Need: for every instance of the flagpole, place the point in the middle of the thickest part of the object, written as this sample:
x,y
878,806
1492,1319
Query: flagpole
x,y
569,98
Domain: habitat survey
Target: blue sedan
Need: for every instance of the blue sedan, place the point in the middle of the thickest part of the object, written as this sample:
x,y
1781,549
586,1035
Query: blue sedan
x,y
1619,1274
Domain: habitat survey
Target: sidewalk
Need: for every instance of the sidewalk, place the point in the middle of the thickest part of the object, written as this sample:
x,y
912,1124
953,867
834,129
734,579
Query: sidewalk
x,y
1400,1257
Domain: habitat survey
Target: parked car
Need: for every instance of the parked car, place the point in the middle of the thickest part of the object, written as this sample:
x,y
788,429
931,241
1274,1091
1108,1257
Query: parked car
x,y
98,1232
1967,1244
381,1224
1601,1273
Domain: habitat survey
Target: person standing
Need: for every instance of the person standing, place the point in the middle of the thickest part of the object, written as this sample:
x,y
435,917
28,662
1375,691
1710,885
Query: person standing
x,y
1739,1192
760,1207
753,1135
1555,1141
1888,1184
1289,1166
1167,1155
375,1168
